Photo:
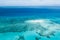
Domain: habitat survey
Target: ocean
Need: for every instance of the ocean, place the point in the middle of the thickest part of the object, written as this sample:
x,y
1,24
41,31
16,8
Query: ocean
x,y
29,23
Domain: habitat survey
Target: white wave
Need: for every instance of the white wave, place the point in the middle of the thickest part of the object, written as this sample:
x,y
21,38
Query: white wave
x,y
50,26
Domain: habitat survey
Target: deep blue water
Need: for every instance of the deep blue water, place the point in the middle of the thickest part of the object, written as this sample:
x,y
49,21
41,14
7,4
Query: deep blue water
x,y
28,12
4,11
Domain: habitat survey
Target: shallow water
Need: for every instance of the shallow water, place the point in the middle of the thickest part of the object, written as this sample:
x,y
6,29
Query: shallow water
x,y
14,34
28,36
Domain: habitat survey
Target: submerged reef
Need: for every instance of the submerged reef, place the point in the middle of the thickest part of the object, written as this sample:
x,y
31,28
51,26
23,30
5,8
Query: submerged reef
x,y
43,27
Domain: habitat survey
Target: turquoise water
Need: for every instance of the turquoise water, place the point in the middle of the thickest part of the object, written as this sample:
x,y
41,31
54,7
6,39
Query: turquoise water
x,y
11,29
28,36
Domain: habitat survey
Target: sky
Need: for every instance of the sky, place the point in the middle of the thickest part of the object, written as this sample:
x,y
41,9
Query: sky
x,y
29,2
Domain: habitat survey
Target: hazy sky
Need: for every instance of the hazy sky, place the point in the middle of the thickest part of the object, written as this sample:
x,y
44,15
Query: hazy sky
x,y
29,2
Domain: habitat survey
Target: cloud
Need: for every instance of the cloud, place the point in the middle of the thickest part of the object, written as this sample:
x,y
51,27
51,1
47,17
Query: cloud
x,y
29,2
